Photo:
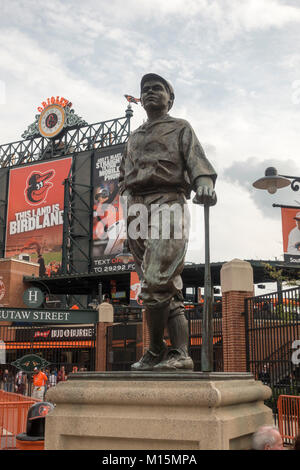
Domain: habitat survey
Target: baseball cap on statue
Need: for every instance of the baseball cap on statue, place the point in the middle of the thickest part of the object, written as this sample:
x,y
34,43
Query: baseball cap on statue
x,y
297,216
154,76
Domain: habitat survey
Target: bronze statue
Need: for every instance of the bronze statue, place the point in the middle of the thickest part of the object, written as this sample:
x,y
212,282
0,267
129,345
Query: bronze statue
x,y
162,162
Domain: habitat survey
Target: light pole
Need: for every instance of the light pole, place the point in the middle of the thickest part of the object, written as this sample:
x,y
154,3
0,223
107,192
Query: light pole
x,y
273,181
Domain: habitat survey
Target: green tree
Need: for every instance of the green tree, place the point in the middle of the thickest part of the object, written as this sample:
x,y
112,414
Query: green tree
x,y
291,278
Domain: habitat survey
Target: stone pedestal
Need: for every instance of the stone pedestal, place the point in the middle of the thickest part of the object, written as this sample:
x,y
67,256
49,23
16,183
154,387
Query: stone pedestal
x,y
140,410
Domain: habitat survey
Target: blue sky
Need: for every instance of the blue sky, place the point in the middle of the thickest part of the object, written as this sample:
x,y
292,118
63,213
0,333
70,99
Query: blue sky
x,y
235,68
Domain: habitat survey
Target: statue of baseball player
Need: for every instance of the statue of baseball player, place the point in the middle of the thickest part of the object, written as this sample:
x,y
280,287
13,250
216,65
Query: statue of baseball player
x,y
162,162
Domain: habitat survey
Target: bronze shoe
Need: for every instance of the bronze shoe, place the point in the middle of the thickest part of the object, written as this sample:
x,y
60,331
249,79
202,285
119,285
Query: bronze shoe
x,y
149,360
175,360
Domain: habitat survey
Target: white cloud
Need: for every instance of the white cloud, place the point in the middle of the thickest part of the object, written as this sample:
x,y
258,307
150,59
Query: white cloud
x,y
255,14
234,65
235,220
233,17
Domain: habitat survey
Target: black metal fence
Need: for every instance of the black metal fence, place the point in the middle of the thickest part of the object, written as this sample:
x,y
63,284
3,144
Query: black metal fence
x,y
74,140
124,342
194,315
125,339
70,346
273,341
121,343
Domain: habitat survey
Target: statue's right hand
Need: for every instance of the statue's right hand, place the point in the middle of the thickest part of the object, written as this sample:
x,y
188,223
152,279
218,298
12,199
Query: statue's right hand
x,y
205,195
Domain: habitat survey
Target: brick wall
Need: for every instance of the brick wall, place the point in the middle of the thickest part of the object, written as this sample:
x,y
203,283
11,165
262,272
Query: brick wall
x,y
233,329
12,284
101,341
236,284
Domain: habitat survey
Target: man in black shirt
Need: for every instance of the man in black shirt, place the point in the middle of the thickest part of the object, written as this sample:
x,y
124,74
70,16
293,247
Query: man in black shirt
x,y
42,268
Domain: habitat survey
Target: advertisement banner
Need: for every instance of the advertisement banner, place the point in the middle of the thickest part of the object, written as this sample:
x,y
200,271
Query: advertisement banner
x,y
69,333
109,225
291,234
34,229
135,289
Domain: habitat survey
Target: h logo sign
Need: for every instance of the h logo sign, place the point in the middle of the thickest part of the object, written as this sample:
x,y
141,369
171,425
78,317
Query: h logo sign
x,y
33,297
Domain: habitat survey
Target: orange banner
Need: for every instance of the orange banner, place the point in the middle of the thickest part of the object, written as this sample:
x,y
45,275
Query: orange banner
x,y
291,234
35,213
135,288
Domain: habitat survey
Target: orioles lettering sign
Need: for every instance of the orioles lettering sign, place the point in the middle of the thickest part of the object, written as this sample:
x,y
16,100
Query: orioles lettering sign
x,y
53,116
54,100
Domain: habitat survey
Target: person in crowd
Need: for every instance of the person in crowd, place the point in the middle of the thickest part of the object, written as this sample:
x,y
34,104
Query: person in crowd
x,y
39,384
297,442
267,438
61,375
47,372
7,381
20,384
42,268
106,298
264,375
52,379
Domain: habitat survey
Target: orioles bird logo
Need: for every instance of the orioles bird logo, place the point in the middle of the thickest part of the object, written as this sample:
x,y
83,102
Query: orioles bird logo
x,y
132,99
37,186
44,410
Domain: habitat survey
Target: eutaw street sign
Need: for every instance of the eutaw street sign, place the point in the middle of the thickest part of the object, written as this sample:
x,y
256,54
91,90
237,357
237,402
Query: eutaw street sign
x,y
31,315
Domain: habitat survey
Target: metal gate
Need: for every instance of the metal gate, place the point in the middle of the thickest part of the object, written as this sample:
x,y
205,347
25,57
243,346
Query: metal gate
x,y
194,315
273,341
68,346
121,346
125,339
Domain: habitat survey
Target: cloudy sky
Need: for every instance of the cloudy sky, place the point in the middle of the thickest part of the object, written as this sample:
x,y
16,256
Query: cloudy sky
x,y
235,68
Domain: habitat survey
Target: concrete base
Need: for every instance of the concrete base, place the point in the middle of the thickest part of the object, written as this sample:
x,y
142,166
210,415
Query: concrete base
x,y
127,410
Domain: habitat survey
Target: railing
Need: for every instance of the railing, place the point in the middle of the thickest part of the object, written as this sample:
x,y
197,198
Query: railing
x,y
13,417
288,417
194,315
272,331
129,314
79,139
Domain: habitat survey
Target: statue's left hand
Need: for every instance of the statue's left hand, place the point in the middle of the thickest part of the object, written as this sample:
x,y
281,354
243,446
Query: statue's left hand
x,y
205,193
